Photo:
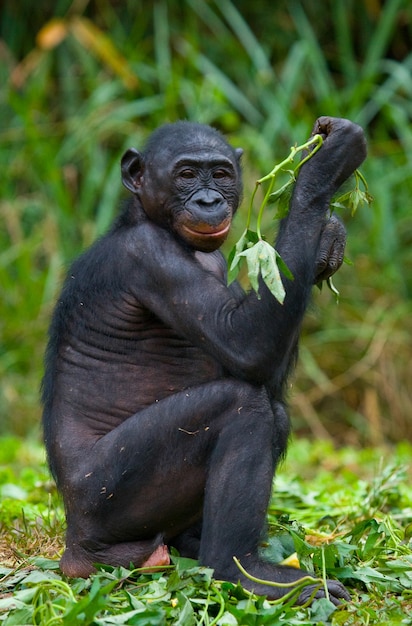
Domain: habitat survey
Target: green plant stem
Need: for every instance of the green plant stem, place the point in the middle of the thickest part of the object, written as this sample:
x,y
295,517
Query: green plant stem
x,y
359,175
250,209
294,586
221,607
325,584
317,140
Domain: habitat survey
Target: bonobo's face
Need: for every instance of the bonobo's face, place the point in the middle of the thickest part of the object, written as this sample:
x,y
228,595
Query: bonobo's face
x,y
200,195
189,183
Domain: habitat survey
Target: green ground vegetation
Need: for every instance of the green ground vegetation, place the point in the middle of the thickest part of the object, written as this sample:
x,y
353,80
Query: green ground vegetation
x,y
339,513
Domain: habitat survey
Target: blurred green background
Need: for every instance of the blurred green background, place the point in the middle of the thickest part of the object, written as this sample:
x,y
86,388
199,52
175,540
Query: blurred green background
x,y
82,80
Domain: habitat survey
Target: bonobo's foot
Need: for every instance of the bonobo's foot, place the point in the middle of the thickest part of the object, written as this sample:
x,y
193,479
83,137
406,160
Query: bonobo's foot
x,y
76,563
160,557
79,561
284,575
337,593
331,249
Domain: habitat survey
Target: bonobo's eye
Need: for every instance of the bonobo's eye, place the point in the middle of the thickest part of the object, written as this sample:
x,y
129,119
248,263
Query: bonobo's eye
x,y
222,174
187,174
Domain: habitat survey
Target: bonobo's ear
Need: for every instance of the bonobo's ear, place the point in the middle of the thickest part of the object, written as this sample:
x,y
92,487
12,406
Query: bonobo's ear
x,y
132,166
238,153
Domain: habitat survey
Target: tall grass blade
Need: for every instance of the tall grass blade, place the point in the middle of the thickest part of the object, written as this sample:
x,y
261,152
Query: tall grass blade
x,y
322,82
245,36
381,35
233,93
162,44
345,53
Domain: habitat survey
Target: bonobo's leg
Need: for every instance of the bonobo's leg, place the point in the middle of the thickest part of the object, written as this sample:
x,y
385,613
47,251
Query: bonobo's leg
x,y
210,450
236,500
246,439
239,484
143,483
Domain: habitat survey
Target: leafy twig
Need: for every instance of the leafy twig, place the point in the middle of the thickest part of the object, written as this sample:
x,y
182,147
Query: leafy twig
x,y
355,197
261,257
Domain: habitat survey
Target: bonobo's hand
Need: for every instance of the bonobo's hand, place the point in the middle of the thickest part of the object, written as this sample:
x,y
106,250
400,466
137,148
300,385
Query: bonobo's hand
x,y
331,249
342,152
337,593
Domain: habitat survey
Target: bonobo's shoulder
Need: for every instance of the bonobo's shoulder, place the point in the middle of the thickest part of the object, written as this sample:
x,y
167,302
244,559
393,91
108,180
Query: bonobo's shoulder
x,y
145,233
147,239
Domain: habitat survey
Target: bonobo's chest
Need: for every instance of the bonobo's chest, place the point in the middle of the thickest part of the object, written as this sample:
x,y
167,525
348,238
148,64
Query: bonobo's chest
x,y
118,357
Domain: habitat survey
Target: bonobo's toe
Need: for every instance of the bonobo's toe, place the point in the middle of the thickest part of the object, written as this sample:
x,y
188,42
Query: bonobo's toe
x,y
337,593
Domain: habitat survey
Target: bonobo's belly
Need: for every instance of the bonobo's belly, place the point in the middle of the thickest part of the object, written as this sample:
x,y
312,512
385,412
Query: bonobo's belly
x,y
116,364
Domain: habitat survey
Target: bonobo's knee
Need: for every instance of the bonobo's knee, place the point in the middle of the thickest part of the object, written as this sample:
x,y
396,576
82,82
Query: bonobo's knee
x,y
252,397
252,406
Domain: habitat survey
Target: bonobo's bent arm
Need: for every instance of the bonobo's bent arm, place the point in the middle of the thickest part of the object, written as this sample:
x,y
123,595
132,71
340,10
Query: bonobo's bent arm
x,y
201,307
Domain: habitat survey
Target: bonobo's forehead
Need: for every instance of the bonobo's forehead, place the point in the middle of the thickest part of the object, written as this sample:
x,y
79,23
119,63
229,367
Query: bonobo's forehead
x,y
174,141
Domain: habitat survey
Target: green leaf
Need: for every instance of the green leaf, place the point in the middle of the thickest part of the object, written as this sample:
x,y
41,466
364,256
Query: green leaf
x,y
278,547
46,564
283,267
284,201
262,259
353,198
253,265
248,239
20,616
408,531
271,274
186,616
321,610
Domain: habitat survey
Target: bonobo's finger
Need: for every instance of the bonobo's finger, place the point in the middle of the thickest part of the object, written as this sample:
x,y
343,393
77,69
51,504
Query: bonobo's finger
x,y
325,125
342,152
343,135
331,126
331,249
336,592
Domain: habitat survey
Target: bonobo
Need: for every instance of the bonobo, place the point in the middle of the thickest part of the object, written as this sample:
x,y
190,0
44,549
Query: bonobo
x,y
164,390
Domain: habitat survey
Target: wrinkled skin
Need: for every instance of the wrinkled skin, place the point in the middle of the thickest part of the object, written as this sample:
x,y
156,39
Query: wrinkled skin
x,y
164,391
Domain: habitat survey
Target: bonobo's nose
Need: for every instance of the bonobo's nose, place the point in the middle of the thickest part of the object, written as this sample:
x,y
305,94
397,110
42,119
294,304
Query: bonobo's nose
x,y
207,199
208,205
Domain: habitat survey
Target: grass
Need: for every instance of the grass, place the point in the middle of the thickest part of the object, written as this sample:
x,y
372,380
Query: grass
x,y
359,531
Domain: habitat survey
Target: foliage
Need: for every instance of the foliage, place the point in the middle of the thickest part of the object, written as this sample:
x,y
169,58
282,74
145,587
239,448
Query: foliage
x,y
80,82
360,532
262,259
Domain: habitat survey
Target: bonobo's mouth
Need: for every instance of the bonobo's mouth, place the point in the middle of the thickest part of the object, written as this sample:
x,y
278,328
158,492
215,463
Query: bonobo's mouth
x,y
208,231
209,234
205,237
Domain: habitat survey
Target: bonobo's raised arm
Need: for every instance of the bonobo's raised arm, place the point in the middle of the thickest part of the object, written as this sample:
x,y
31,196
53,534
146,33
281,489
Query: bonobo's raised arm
x,y
203,309
343,150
